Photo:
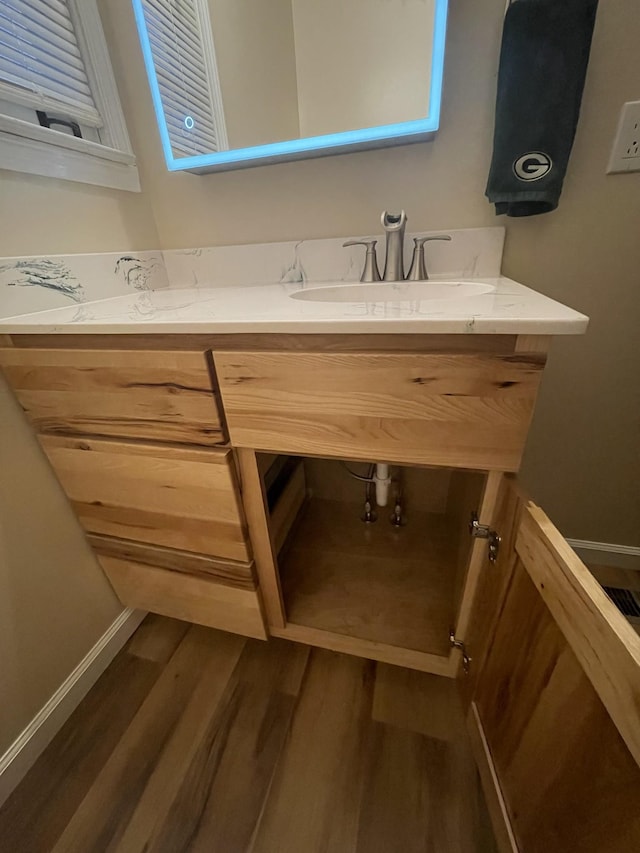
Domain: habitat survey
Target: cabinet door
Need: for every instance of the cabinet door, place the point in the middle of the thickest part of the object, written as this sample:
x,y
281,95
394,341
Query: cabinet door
x,y
157,395
176,497
469,410
555,710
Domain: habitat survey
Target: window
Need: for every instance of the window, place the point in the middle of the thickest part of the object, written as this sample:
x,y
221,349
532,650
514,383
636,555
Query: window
x,y
60,115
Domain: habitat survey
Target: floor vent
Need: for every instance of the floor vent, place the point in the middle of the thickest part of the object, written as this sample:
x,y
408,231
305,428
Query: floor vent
x,y
626,600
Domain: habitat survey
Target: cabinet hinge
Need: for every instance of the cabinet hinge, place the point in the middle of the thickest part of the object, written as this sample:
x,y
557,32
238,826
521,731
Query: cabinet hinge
x,y
456,644
483,531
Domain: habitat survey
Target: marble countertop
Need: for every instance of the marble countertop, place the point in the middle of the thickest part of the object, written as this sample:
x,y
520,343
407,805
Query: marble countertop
x,y
511,308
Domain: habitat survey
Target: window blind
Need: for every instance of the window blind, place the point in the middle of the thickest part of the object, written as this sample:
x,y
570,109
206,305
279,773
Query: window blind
x,y
194,122
41,64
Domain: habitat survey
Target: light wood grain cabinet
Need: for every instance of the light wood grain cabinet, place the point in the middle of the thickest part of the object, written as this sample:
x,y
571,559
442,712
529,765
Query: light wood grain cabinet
x,y
141,394
134,438
468,410
194,587
179,497
194,531
553,696
375,590
167,525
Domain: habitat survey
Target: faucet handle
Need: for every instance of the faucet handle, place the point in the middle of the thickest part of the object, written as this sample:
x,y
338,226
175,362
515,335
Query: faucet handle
x,y
370,271
418,268
420,241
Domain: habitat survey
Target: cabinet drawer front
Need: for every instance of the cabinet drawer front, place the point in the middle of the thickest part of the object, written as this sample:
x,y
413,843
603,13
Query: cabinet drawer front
x,y
183,596
469,411
177,497
227,572
165,396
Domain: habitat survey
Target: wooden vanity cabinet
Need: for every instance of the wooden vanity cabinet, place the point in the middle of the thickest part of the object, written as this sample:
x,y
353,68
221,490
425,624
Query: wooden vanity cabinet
x,y
182,525
136,439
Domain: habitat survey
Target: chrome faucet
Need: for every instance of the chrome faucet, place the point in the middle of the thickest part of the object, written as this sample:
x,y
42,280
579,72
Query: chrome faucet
x,y
394,225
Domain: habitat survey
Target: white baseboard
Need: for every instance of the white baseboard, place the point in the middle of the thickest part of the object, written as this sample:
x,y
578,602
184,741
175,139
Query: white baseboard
x,y
24,751
607,553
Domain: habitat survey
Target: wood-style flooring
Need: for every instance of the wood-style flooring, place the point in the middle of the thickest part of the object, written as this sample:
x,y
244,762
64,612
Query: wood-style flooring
x,y
196,740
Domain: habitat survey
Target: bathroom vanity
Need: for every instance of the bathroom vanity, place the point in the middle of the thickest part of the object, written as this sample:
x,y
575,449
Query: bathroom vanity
x,y
204,457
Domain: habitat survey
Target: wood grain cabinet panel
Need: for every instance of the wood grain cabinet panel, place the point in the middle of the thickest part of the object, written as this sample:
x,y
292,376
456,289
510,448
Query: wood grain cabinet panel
x,y
194,598
555,716
461,410
218,593
161,395
234,573
183,498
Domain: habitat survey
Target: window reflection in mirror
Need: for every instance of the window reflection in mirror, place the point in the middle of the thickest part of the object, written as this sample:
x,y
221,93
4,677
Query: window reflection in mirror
x,y
247,79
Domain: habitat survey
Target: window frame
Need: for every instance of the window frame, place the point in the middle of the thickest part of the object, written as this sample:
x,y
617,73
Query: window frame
x,y
32,149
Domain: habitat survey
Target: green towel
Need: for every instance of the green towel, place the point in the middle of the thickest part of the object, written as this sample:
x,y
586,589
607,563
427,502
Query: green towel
x,y
543,64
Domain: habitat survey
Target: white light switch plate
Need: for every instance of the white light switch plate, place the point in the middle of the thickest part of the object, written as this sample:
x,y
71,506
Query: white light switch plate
x,y
625,155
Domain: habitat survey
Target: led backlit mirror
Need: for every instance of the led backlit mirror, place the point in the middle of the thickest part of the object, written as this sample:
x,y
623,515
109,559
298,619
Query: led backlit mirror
x,y
240,82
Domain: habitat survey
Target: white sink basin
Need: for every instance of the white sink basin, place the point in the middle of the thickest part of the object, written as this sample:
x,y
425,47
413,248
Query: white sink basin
x,y
402,291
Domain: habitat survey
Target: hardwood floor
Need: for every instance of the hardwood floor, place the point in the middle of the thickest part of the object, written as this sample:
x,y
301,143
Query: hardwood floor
x,y
196,740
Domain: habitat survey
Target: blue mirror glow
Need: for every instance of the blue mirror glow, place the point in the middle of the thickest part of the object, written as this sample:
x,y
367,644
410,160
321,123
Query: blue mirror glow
x,y
312,146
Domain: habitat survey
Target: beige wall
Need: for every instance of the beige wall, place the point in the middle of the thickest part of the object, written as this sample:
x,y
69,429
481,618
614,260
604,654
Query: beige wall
x,y
258,82
44,215
361,64
581,455
54,601
440,184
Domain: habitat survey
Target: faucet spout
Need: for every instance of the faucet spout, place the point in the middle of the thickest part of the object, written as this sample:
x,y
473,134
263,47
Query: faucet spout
x,y
394,225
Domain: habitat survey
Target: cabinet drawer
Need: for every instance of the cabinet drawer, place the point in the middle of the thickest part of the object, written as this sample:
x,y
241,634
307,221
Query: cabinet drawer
x,y
460,410
194,598
161,395
178,497
241,575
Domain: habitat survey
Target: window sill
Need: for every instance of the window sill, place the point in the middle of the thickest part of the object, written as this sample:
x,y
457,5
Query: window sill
x,y
26,147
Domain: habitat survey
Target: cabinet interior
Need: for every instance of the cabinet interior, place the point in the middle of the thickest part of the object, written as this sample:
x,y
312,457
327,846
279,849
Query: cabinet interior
x,y
400,587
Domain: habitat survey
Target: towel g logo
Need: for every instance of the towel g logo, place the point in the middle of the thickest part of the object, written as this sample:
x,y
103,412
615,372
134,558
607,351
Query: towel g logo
x,y
532,166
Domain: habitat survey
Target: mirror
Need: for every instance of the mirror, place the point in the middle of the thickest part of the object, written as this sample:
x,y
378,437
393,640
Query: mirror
x,y
236,83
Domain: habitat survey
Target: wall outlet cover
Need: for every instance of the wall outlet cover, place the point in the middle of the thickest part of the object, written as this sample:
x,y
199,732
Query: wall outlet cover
x,y
625,154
